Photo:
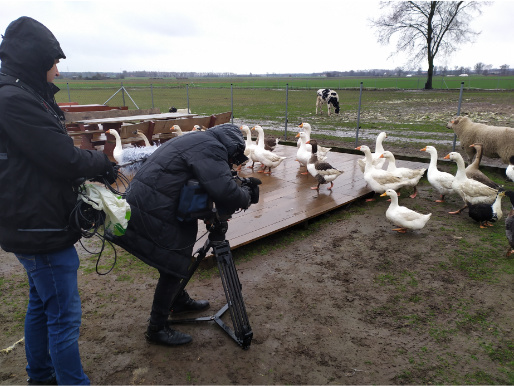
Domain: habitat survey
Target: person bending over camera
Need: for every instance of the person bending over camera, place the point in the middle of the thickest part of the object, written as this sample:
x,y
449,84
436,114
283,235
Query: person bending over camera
x,y
38,164
155,234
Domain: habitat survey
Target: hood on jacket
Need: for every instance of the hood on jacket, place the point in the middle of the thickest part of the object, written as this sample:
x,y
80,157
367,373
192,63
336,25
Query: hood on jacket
x,y
28,50
232,138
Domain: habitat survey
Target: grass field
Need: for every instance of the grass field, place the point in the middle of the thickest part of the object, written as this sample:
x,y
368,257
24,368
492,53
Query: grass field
x,y
414,82
419,116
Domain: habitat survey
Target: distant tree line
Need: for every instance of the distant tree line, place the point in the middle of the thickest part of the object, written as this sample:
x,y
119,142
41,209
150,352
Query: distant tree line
x,y
479,69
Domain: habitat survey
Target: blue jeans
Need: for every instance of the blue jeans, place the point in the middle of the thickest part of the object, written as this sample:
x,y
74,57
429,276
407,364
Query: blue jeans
x,y
53,317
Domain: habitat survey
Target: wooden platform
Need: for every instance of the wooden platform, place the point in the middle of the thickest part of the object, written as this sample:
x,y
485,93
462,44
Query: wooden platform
x,y
286,198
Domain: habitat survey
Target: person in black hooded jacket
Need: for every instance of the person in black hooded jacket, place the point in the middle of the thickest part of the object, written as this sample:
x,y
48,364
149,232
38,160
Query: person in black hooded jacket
x,y
155,234
38,164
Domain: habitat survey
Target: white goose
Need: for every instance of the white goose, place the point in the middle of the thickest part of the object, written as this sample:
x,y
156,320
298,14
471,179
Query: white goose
x,y
307,129
469,190
303,154
249,145
179,131
402,216
410,177
130,158
441,181
379,149
378,180
117,152
509,171
145,139
265,157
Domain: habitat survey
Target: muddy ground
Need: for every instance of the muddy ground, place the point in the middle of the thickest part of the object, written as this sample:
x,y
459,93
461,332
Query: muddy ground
x,y
345,300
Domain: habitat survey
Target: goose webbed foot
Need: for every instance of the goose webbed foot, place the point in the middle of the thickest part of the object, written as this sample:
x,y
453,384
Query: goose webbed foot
x,y
458,211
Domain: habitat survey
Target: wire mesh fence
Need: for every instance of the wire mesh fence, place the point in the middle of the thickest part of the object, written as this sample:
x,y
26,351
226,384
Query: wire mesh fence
x,y
281,109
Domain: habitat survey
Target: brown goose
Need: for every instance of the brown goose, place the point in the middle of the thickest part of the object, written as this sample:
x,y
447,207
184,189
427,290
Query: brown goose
x,y
473,172
322,171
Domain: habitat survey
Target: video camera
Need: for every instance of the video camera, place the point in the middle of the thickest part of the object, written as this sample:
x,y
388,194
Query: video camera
x,y
195,204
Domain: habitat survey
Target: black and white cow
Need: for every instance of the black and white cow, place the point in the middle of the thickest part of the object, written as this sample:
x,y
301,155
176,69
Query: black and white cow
x,y
328,96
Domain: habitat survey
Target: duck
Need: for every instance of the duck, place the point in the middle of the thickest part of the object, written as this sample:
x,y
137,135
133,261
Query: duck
x,y
440,181
409,176
471,191
303,154
402,216
265,157
321,170
307,129
130,158
249,146
483,213
379,149
473,171
509,232
270,143
199,128
378,180
509,223
509,171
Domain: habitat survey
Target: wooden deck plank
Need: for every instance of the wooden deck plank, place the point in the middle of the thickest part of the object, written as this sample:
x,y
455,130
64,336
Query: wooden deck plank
x,y
286,198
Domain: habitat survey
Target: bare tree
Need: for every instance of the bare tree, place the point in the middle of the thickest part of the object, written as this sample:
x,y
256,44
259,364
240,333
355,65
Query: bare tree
x,y
479,68
427,28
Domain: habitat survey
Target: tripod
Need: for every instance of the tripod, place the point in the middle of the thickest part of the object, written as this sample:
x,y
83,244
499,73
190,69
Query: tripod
x,y
242,332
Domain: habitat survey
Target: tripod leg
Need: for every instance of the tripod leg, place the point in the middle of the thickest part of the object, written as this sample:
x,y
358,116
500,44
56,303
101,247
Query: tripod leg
x,y
232,287
201,253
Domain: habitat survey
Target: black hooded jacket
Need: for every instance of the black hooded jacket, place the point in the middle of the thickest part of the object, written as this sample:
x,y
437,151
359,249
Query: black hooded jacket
x,y
154,233
38,161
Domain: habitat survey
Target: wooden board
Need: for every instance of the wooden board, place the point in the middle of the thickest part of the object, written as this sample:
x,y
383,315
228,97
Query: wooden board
x,y
91,115
133,117
287,200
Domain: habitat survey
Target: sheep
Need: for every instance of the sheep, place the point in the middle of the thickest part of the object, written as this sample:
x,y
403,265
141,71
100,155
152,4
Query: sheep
x,y
498,142
330,97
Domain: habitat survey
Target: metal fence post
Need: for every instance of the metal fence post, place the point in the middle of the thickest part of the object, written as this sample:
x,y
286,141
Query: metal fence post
x,y
123,93
151,92
287,98
358,118
232,102
69,96
187,94
458,113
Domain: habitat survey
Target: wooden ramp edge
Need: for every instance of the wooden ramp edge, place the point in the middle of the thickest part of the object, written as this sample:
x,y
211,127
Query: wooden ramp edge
x,y
286,197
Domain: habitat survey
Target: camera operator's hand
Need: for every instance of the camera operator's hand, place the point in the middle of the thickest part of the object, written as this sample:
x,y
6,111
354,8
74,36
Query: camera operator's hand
x,y
253,184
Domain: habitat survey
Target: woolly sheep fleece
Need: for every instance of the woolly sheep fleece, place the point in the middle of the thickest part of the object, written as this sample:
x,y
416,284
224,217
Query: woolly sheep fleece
x,y
498,141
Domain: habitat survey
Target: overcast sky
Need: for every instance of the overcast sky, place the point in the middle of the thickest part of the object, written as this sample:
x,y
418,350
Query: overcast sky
x,y
239,36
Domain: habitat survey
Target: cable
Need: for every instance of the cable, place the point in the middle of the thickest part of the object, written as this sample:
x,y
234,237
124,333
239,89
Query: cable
x,y
89,222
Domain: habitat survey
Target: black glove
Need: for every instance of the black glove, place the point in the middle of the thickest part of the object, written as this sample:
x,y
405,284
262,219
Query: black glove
x,y
111,173
253,185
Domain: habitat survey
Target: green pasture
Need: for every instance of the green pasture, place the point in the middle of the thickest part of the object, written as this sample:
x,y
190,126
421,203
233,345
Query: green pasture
x,y
415,82
417,115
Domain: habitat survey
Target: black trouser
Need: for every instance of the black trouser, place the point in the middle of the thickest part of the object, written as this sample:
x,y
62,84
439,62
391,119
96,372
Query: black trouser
x,y
162,298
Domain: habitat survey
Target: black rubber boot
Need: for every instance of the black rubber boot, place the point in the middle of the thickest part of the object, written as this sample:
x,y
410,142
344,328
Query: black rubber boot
x,y
165,336
184,303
